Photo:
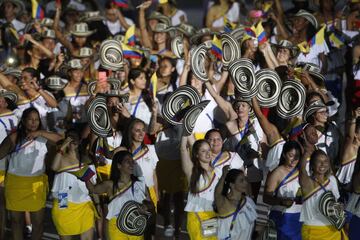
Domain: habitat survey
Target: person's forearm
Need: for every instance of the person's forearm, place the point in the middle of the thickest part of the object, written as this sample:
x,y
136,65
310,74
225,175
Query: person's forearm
x,y
145,38
49,99
52,137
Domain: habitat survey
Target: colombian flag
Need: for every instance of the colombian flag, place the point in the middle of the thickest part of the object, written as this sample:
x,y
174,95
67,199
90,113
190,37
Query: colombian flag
x,y
216,47
130,52
266,7
37,11
121,3
260,33
153,84
336,40
84,174
160,1
228,25
250,31
130,38
319,37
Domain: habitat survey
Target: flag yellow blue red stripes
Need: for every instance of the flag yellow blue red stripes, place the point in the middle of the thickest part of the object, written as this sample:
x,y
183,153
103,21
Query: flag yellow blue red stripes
x,y
130,38
84,174
319,37
216,48
130,52
260,33
37,11
228,25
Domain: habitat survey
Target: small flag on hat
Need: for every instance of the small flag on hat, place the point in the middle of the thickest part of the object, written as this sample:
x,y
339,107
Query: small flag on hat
x,y
228,25
121,3
153,84
37,11
260,33
130,52
216,48
319,37
130,37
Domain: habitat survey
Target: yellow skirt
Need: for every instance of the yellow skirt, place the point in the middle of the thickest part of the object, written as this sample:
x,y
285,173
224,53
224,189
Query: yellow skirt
x,y
115,234
25,193
2,176
194,226
153,196
322,233
76,219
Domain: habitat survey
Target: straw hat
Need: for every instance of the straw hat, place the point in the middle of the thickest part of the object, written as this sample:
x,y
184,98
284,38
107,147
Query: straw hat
x,y
291,100
84,52
91,16
198,58
230,49
177,46
56,83
75,64
313,108
192,115
269,87
294,50
131,219
111,55
81,30
12,96
98,117
308,16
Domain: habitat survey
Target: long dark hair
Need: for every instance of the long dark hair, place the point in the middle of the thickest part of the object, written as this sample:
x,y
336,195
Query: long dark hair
x,y
174,74
288,146
127,139
314,157
133,74
197,170
230,178
115,172
21,129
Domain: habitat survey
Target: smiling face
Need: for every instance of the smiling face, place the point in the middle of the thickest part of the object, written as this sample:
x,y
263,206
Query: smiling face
x,y
160,37
322,115
321,165
138,132
204,153
76,75
299,24
283,55
127,165
32,122
216,142
291,158
165,68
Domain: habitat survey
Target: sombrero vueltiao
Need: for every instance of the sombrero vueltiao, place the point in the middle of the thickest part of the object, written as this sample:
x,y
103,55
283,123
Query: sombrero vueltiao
x,y
243,77
131,220
230,49
114,84
332,210
315,71
308,16
177,46
238,33
195,40
9,95
56,83
111,55
291,100
313,108
192,115
198,57
294,50
81,30
269,87
177,104
186,29
98,117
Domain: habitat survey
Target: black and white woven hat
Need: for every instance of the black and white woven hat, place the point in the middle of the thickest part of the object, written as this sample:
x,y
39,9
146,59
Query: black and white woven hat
x,y
294,50
114,84
81,30
198,57
111,55
130,219
308,16
56,83
332,210
230,49
313,108
192,115
177,46
178,103
315,71
269,87
291,100
195,39
12,96
98,116
242,73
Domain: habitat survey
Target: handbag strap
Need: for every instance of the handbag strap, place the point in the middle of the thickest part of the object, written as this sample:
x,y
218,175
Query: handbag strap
x,y
284,180
238,208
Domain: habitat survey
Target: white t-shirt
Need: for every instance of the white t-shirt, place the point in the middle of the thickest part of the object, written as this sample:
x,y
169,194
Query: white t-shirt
x,y
116,27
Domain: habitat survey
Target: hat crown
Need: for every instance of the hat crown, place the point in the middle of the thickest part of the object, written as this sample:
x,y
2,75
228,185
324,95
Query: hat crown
x,y
308,16
312,68
286,44
81,27
85,52
47,22
49,33
75,63
161,26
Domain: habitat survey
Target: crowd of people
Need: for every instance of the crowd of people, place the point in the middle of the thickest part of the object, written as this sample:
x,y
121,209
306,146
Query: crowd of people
x,y
247,128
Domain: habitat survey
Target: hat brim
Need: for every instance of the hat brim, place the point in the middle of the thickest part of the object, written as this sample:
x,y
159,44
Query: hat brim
x,y
243,77
192,115
111,55
198,58
82,34
294,51
269,87
291,99
9,95
98,117
115,84
178,102
230,49
194,40
177,47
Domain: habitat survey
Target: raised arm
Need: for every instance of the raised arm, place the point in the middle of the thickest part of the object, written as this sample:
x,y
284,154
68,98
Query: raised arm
x,y
270,58
306,182
8,85
145,38
59,35
56,164
41,47
270,130
186,162
185,73
225,106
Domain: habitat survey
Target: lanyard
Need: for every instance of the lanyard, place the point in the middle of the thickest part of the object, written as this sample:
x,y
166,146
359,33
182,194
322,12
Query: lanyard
x,y
137,150
322,186
162,51
78,91
284,180
3,123
233,220
137,105
216,159
242,133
